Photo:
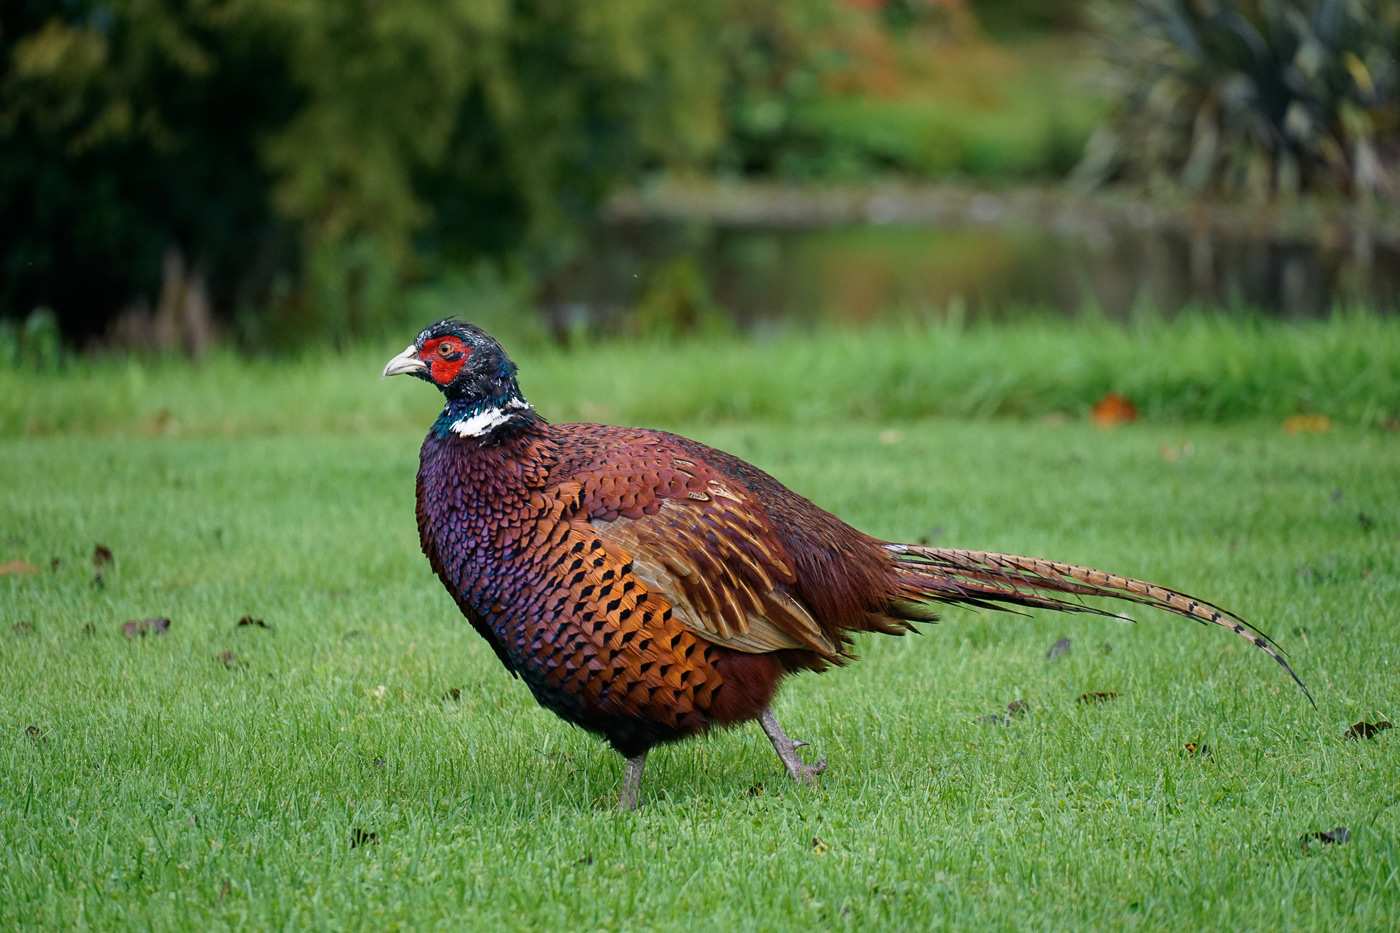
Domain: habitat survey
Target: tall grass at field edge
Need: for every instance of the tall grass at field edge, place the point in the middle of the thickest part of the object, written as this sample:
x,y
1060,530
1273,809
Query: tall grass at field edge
x,y
1197,367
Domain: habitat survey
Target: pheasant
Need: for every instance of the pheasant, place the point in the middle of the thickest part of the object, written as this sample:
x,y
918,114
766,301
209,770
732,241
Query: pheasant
x,y
648,588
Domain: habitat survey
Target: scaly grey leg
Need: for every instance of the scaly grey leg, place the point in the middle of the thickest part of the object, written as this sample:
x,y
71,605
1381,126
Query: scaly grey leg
x,y
632,782
787,750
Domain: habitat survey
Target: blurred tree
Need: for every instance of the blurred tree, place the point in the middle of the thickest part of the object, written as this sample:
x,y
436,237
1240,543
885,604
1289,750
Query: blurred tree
x,y
129,129
306,155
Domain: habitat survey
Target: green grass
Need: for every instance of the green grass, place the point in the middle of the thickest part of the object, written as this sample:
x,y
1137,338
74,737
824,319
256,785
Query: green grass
x,y
165,790
1195,368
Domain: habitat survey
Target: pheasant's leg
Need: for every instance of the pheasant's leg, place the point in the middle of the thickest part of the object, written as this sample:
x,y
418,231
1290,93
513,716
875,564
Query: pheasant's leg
x,y
632,782
787,750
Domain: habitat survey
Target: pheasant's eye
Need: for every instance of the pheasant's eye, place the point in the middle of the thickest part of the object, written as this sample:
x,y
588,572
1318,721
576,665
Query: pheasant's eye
x,y
445,348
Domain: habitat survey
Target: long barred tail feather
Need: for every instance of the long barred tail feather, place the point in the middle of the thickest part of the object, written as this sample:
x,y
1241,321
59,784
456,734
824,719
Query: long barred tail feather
x,y
986,579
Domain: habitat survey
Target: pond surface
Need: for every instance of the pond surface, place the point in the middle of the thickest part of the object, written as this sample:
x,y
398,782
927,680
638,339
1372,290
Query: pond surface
x,y
644,274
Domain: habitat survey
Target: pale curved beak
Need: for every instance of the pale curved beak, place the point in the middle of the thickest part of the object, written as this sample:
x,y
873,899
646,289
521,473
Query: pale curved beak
x,y
405,362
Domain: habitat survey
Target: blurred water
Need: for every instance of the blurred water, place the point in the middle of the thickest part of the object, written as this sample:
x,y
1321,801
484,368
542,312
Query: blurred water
x,y
675,275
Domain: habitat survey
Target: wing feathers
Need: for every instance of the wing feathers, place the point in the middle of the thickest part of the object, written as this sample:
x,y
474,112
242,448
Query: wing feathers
x,y
717,586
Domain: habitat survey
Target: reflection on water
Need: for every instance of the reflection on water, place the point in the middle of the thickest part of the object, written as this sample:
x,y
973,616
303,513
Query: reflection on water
x,y
676,275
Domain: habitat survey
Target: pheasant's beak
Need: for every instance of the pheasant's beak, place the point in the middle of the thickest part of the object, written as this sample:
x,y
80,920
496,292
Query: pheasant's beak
x,y
405,362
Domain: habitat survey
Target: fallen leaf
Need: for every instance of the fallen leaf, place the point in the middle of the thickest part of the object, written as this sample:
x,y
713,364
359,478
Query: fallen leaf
x,y
55,563
162,422
1366,730
17,568
1113,409
755,790
820,847
1197,750
141,627
1106,648
1100,697
1059,649
1307,424
1014,710
1337,836
1172,454
1365,521
89,629
453,693
229,659
358,837
101,560
250,621
22,627
35,733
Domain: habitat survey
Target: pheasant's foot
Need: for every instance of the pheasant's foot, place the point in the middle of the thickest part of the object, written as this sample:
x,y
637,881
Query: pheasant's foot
x,y
807,774
800,771
632,782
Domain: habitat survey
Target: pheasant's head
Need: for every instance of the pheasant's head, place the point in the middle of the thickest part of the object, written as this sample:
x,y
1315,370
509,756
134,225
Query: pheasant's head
x,y
472,370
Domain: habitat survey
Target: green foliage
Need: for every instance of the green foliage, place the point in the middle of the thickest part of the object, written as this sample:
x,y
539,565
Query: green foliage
x,y
128,128
33,344
778,58
925,102
538,105
281,144
1033,129
1017,17
1256,97
676,300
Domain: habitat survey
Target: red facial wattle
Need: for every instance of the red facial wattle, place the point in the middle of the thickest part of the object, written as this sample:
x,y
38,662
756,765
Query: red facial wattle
x,y
445,357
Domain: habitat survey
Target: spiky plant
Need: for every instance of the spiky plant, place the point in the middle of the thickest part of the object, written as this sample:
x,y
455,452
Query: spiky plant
x,y
1254,97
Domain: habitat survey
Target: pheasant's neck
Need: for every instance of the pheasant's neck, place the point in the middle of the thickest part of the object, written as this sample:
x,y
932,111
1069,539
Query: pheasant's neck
x,y
489,420
477,504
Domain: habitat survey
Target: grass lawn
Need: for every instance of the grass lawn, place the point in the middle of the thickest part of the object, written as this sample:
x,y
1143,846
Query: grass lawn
x,y
365,762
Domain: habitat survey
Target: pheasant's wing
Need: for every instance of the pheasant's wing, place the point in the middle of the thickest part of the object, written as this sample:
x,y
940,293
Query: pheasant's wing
x,y
701,539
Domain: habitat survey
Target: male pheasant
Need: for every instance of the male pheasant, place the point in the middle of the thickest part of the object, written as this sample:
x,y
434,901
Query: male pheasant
x,y
647,587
